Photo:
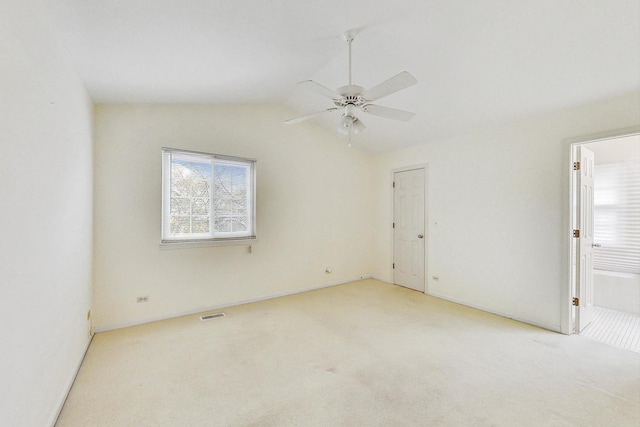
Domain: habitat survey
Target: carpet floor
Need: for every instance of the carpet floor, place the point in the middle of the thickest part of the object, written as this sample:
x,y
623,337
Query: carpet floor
x,y
362,354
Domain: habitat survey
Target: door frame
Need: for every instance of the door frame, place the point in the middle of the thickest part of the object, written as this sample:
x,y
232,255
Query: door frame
x,y
568,313
425,167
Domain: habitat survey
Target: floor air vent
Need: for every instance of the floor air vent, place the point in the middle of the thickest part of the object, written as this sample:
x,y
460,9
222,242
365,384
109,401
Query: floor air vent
x,y
211,316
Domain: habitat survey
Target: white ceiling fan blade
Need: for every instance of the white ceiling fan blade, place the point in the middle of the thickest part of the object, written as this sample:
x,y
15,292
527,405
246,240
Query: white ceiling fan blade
x,y
388,113
308,116
315,87
389,86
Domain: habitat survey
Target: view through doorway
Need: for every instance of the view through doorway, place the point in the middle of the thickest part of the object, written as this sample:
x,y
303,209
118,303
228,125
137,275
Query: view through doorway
x,y
606,245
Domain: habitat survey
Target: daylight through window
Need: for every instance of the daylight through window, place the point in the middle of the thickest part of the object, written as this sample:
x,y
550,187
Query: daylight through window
x,y
207,197
616,212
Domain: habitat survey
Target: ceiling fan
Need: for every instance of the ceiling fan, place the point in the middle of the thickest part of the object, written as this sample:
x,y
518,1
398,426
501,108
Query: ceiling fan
x,y
351,99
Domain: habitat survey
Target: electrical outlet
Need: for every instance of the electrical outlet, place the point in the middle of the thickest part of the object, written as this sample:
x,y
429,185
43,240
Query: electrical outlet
x,y
143,299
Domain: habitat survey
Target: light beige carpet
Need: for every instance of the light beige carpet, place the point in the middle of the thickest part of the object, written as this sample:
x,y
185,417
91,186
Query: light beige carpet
x,y
361,354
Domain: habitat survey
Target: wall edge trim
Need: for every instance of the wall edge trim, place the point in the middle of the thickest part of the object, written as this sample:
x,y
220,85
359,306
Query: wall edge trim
x,y
381,279
114,326
543,325
58,408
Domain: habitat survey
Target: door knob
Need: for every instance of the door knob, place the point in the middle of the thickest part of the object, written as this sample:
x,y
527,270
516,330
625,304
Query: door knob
x,y
420,236
596,245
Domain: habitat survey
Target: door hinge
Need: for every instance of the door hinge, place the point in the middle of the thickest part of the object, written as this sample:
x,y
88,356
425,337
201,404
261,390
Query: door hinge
x,y
576,302
394,265
576,166
394,184
394,225
576,233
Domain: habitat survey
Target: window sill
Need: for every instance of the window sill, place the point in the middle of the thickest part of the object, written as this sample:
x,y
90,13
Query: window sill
x,y
206,243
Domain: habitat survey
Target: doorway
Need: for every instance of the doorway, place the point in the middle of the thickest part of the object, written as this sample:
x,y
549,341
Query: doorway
x,y
409,228
605,246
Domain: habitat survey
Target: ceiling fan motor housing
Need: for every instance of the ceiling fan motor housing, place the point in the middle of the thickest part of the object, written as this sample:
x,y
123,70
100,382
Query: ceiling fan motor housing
x,y
350,101
351,94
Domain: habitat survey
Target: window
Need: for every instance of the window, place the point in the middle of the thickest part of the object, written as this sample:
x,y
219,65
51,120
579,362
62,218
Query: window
x,y
207,197
616,212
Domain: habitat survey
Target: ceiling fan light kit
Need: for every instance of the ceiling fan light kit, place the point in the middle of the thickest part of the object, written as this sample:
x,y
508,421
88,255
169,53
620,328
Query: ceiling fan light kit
x,y
352,99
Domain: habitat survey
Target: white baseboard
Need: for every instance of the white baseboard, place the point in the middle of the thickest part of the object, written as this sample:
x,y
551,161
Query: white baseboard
x,y
381,279
201,309
63,398
554,328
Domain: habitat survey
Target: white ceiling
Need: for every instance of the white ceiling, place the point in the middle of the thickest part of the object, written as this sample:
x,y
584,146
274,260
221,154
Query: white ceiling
x,y
478,63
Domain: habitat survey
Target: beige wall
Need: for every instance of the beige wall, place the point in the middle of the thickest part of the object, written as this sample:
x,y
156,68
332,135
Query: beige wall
x,y
498,211
46,217
314,203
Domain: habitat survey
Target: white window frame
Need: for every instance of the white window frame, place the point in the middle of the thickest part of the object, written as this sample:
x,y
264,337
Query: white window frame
x,y
211,238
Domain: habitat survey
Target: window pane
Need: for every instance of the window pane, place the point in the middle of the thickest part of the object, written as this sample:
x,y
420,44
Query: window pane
x,y
200,188
200,206
200,224
240,203
223,224
180,205
190,191
239,224
230,195
180,224
223,206
179,186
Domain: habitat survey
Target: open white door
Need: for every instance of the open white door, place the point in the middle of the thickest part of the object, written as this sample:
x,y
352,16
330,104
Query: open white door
x,y
409,229
584,235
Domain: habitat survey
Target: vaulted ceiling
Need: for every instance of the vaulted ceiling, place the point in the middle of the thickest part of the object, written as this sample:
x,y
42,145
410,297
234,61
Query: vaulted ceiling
x,y
478,63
